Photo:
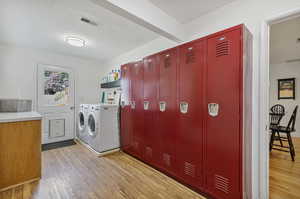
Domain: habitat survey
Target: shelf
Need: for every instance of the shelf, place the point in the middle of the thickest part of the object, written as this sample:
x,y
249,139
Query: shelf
x,y
113,84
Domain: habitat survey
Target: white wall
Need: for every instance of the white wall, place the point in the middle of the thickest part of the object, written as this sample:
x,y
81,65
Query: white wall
x,y
140,52
283,71
18,77
250,12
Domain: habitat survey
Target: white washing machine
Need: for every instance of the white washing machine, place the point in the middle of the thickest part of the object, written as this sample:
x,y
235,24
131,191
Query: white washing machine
x,y
103,127
82,124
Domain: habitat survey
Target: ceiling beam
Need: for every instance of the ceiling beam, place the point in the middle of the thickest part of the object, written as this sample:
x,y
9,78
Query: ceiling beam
x,y
144,13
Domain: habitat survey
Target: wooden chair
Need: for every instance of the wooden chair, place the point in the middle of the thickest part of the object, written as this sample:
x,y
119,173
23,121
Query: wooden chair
x,y
276,114
278,109
284,130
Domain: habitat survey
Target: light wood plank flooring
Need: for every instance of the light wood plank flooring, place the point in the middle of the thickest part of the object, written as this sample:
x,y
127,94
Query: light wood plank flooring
x,y
285,174
75,173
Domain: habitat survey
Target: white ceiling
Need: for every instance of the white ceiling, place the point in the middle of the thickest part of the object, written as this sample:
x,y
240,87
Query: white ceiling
x,y
186,10
283,41
42,24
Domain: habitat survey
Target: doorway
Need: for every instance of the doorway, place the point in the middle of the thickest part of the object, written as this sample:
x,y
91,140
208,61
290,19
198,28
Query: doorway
x,y
55,101
284,73
264,95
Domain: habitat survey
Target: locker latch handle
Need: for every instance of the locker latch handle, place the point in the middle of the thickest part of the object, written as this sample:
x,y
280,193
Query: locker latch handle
x,y
122,104
162,106
213,109
146,105
184,106
132,104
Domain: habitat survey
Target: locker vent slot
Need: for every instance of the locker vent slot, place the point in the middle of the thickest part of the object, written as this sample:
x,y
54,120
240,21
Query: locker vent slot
x,y
167,62
189,169
222,48
167,159
222,183
136,145
136,69
190,57
149,152
150,65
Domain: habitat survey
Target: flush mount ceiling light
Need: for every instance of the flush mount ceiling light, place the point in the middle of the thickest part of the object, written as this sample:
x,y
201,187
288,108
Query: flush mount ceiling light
x,y
75,41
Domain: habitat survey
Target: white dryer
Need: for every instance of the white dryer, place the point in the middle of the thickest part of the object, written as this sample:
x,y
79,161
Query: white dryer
x,y
103,127
83,123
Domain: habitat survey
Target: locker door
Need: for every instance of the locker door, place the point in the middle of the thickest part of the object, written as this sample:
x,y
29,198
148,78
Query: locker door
x,y
168,109
152,140
137,108
189,148
223,153
126,128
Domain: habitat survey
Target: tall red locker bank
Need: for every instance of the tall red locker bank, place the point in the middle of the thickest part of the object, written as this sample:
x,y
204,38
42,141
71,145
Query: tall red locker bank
x,y
125,118
137,109
225,101
202,132
152,150
189,145
167,105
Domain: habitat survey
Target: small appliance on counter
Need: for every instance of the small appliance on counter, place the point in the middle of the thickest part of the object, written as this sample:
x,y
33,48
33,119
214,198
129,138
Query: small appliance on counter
x,y
110,96
15,105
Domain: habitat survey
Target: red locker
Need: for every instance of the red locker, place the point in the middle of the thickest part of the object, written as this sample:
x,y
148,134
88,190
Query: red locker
x,y
189,148
188,115
137,109
126,128
167,103
151,135
223,158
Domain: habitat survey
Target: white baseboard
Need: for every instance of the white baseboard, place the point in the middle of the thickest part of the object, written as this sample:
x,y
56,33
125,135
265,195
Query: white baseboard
x,y
96,152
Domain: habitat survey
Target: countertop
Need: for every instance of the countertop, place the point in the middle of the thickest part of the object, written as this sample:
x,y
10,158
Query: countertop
x,y
20,116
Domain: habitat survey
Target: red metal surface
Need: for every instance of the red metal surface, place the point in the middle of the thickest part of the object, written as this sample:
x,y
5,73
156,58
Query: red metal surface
x,y
126,130
222,137
137,109
189,147
152,149
167,120
200,150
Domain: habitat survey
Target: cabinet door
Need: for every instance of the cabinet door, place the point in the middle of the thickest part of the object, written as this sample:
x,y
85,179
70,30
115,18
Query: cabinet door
x,y
223,152
126,127
152,139
167,108
189,148
137,107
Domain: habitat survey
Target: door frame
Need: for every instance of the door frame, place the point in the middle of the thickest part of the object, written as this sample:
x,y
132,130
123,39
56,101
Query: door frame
x,y
35,103
264,81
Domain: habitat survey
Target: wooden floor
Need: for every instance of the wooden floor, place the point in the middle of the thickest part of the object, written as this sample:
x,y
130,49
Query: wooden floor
x,y
75,173
285,174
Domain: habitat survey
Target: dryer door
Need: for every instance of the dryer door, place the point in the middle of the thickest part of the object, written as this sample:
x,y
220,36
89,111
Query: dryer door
x,y
92,129
81,122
